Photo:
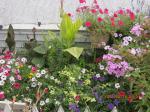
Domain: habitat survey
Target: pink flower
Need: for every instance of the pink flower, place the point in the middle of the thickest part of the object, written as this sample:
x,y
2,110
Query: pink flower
x,y
121,12
93,11
106,11
99,19
17,85
33,69
18,77
120,23
100,11
2,96
88,24
115,15
136,30
82,1
69,14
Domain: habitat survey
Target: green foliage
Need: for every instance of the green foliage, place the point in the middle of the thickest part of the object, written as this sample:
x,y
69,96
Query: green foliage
x,y
10,40
68,30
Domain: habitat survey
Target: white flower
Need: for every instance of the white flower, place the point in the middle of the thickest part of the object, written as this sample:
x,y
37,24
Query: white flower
x,y
125,43
114,109
47,100
115,35
2,61
117,85
33,79
24,60
107,47
57,103
98,76
133,51
42,103
129,38
52,77
10,62
3,77
142,93
138,50
83,70
38,75
2,83
101,67
120,35
39,83
46,76
33,84
43,72
12,78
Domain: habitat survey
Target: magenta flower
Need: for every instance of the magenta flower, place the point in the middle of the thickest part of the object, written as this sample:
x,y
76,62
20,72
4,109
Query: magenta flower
x,y
136,30
2,96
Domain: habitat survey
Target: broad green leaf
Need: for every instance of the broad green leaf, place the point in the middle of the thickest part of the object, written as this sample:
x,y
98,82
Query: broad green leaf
x,y
75,51
41,49
38,61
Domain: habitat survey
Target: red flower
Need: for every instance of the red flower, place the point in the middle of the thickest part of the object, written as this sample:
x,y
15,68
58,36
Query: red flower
x,y
77,98
121,94
112,19
130,99
106,11
93,11
88,24
99,19
100,11
82,1
33,69
46,90
128,10
120,23
99,59
112,23
69,14
121,12
115,15
17,85
2,96
132,16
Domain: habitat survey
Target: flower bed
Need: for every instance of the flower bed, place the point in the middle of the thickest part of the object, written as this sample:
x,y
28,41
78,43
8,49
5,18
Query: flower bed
x,y
114,77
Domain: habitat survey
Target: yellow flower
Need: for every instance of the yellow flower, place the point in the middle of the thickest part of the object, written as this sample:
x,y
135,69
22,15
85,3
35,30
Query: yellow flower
x,y
87,82
30,75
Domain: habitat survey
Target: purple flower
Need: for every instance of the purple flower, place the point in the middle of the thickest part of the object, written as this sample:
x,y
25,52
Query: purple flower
x,y
116,102
74,107
110,106
136,30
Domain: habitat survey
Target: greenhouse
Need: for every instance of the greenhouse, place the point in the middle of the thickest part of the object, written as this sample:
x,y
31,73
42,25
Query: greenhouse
x,y
75,56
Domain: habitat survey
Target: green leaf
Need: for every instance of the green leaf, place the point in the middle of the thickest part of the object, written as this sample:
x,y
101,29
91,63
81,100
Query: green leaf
x,y
75,51
38,61
41,49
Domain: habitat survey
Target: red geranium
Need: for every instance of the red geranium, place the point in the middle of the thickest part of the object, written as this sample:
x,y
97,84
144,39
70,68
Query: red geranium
x,y
106,11
88,24
100,11
2,96
121,12
120,23
99,19
121,94
93,11
17,85
82,1
132,16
